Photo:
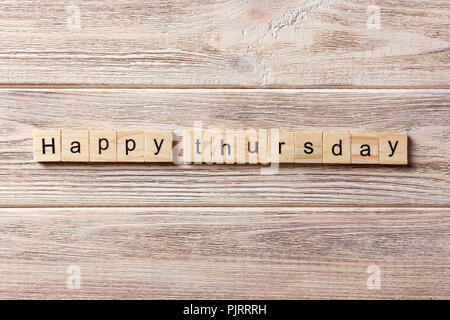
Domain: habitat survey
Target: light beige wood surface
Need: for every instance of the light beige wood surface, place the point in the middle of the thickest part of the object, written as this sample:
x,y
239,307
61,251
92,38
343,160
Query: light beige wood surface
x,y
422,114
144,230
260,253
225,43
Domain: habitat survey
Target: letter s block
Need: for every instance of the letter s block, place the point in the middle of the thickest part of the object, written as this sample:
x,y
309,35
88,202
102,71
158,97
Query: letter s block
x,y
47,145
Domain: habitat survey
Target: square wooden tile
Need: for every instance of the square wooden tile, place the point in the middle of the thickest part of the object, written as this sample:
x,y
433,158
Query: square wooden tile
x,y
224,146
75,145
197,146
158,146
130,146
102,146
393,148
256,146
336,147
308,147
364,148
47,145
281,147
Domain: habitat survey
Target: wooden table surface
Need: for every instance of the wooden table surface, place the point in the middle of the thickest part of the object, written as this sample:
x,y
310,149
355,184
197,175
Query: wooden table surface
x,y
160,231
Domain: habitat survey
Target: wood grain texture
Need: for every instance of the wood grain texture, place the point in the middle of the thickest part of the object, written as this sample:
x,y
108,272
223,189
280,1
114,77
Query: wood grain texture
x,y
422,114
225,43
194,253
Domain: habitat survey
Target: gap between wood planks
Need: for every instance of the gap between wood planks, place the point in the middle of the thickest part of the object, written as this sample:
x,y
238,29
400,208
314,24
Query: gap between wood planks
x,y
121,87
231,206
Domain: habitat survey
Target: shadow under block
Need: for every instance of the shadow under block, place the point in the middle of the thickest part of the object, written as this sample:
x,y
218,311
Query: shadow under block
x,y
47,145
393,148
130,146
308,147
197,146
103,146
281,147
336,148
158,146
364,147
75,145
224,146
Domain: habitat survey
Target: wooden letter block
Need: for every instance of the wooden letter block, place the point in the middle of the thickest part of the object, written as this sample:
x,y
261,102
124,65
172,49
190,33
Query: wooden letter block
x,y
75,145
197,146
308,147
102,146
224,146
130,146
281,147
256,146
364,148
47,145
336,147
158,146
393,148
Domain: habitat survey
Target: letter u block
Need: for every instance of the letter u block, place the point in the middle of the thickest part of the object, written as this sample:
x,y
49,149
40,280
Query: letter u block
x,y
47,145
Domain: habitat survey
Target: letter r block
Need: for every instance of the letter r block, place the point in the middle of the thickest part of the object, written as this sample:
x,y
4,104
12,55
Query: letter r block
x,y
158,146
47,145
130,146
393,148
103,146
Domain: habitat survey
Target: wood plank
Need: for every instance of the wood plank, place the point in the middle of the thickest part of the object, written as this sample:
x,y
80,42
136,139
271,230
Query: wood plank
x,y
422,114
225,43
216,253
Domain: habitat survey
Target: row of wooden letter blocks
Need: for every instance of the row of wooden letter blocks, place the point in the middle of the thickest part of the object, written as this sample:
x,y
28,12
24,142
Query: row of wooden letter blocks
x,y
222,147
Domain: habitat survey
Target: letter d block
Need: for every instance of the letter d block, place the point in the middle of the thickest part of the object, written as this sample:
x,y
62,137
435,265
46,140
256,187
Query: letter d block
x,y
103,146
336,147
47,145
130,146
75,145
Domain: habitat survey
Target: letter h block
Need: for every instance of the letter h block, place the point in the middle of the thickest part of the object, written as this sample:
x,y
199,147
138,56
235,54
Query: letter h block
x,y
47,145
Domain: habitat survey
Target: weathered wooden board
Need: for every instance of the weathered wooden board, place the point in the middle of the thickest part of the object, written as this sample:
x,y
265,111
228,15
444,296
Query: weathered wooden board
x,y
225,43
423,114
257,253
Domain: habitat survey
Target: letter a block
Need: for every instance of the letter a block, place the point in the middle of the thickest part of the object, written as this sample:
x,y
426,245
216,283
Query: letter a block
x,y
75,145
336,148
103,146
47,145
365,148
393,148
158,146
130,146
